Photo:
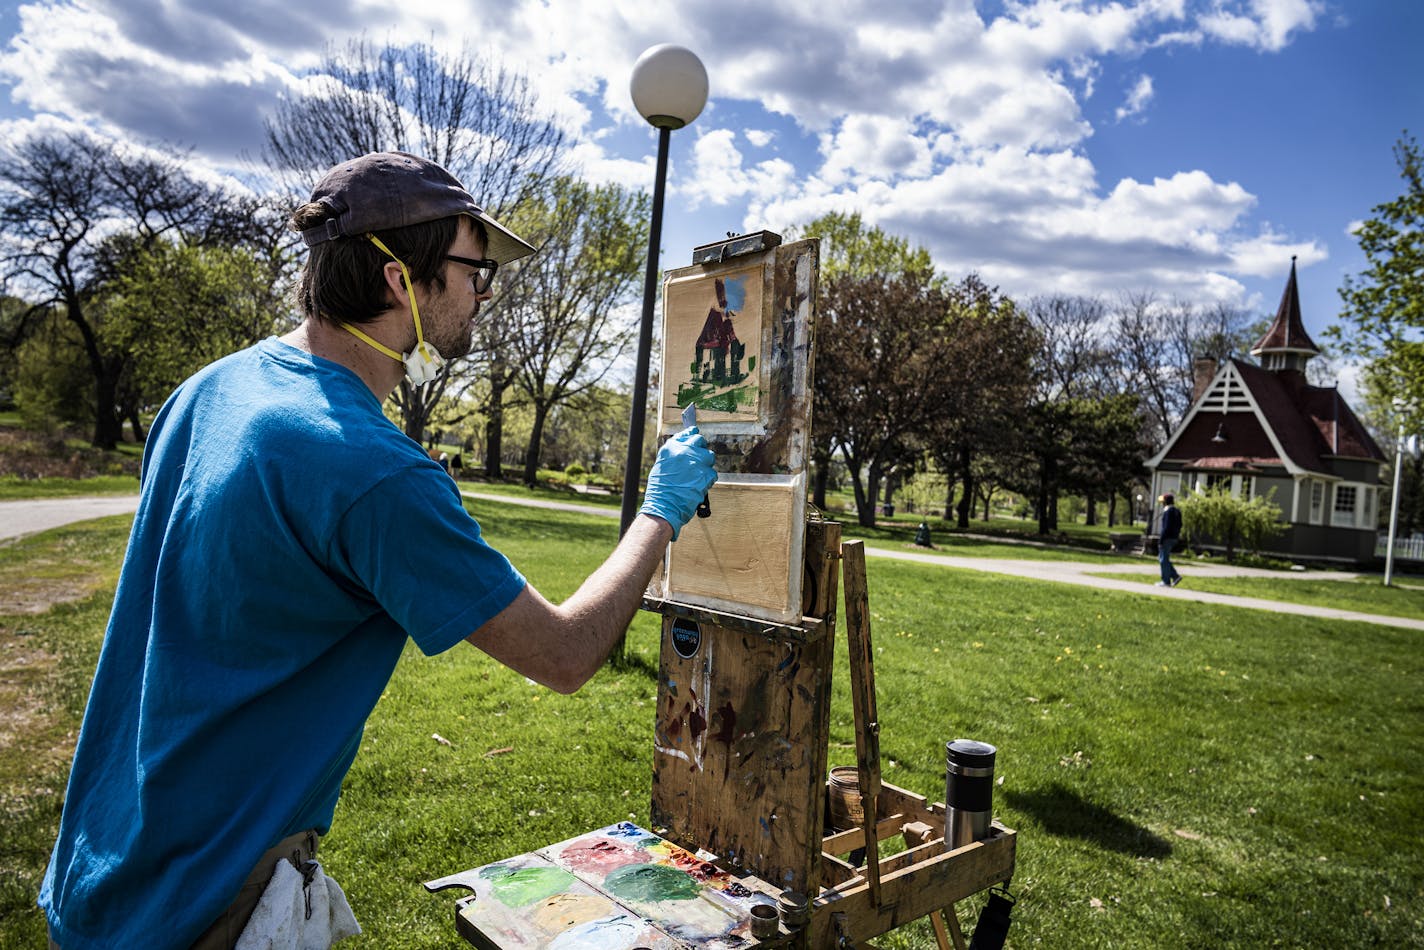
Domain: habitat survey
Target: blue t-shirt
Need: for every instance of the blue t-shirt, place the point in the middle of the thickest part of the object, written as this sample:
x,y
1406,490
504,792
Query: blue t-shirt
x,y
288,540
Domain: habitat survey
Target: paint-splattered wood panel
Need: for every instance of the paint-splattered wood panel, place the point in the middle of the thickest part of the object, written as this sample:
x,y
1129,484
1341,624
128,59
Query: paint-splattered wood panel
x,y
737,343
740,559
741,736
616,888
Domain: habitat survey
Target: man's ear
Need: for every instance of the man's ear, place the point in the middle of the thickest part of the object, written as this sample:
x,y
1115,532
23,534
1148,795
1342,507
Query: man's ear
x,y
395,283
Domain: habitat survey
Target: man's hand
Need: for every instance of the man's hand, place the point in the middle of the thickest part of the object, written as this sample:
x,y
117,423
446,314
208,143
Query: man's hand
x,y
680,478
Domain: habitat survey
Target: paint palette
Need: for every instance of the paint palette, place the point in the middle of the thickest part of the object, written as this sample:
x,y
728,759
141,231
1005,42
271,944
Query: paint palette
x,y
618,888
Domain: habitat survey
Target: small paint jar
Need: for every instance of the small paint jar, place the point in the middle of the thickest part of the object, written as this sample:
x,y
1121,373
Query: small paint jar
x,y
795,911
968,792
766,922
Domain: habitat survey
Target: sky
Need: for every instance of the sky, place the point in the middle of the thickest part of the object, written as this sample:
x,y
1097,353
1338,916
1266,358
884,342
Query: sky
x,y
1187,148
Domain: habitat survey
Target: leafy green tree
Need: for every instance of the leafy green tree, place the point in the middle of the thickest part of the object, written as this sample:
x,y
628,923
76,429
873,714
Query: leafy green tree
x,y
172,309
1383,314
63,195
992,346
1218,516
884,359
852,250
51,380
570,308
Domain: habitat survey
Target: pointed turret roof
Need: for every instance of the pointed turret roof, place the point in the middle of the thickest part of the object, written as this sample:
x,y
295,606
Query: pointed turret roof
x,y
1287,332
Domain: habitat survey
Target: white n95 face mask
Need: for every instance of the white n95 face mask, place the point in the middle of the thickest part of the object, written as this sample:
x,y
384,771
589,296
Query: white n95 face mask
x,y
422,364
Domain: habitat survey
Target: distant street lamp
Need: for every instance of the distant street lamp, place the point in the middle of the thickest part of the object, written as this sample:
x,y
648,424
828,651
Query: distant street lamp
x,y
669,87
1394,496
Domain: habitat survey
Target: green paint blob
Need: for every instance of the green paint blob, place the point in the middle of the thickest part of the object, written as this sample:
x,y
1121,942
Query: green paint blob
x,y
651,882
528,885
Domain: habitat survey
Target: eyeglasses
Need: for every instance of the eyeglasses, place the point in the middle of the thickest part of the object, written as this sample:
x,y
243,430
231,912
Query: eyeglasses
x,y
484,270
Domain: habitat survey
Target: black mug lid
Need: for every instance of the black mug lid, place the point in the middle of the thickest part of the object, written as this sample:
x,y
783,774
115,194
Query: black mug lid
x,y
968,753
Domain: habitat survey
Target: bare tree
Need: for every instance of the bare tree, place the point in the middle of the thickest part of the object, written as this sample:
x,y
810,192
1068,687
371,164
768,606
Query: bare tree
x,y
480,121
568,321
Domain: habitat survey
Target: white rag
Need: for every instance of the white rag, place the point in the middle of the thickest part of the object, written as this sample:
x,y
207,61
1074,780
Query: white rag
x,y
282,921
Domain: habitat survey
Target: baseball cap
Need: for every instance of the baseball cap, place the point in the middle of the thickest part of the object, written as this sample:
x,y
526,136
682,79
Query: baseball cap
x,y
385,190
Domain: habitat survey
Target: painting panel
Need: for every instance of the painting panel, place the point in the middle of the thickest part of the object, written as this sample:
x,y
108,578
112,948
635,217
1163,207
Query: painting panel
x,y
712,345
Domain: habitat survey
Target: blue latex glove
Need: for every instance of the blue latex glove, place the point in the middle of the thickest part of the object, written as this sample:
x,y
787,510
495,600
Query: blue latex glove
x,y
680,478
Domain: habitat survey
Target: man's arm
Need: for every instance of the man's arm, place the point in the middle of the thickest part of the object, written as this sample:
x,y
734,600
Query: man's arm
x,y
563,645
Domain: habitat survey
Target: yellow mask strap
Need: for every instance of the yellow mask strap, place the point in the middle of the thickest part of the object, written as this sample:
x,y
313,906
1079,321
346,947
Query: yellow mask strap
x,y
374,344
414,309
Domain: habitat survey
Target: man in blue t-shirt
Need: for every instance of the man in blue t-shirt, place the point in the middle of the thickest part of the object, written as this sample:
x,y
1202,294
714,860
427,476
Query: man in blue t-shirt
x,y
288,540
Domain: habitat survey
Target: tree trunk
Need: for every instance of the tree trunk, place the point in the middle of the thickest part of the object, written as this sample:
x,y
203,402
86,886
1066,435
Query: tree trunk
x,y
866,493
1112,510
108,424
821,456
966,475
536,439
1047,496
494,428
417,410
1092,509
137,425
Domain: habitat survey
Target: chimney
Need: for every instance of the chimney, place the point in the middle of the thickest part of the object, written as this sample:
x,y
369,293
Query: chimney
x,y
1203,372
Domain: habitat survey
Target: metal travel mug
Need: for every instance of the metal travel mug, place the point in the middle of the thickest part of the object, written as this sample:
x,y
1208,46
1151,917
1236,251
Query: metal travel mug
x,y
968,791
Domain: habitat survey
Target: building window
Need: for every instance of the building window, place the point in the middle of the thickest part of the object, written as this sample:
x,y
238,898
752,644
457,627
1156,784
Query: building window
x,y
1345,500
1317,501
1208,481
1248,483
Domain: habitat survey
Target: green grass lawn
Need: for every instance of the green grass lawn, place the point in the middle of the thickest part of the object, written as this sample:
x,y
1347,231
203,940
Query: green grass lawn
x,y
14,489
1366,595
1180,775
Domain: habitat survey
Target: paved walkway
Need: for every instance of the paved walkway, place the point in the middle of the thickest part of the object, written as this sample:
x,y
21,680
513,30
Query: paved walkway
x,y
19,518
26,517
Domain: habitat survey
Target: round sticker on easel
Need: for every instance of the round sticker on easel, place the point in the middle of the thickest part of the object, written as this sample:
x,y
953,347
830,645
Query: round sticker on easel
x,y
686,637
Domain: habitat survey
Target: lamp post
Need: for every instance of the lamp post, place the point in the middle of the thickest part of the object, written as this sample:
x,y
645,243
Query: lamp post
x,y
1394,495
669,88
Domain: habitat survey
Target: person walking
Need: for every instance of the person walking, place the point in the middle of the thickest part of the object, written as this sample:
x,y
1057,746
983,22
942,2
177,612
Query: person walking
x,y
1169,532
289,541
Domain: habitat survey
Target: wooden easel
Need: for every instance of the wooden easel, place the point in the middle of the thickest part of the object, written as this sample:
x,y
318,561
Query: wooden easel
x,y
769,817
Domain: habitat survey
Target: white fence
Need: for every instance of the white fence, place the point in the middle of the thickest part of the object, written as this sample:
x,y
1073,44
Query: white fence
x,y
1408,549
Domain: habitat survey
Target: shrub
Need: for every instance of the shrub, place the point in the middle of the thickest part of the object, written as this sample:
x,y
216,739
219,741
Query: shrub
x,y
1219,516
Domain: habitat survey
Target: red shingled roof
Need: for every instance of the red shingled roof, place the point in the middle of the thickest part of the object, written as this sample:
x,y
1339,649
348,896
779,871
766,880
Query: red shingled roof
x,y
1309,421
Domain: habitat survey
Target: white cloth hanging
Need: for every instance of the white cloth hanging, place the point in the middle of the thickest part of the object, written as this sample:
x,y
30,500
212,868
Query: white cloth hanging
x,y
299,912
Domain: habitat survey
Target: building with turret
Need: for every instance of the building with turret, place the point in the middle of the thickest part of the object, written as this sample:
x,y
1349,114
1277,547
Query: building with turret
x,y
1263,430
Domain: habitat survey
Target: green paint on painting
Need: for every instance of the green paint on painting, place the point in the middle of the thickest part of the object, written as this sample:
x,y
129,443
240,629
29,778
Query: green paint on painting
x,y
528,885
651,882
706,397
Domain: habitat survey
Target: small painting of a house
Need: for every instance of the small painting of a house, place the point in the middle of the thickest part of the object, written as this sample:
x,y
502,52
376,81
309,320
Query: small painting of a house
x,y
1264,431
714,328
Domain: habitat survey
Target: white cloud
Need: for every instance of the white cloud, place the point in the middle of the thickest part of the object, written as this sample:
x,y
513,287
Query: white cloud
x,y
1137,99
874,147
759,138
1263,24
720,177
